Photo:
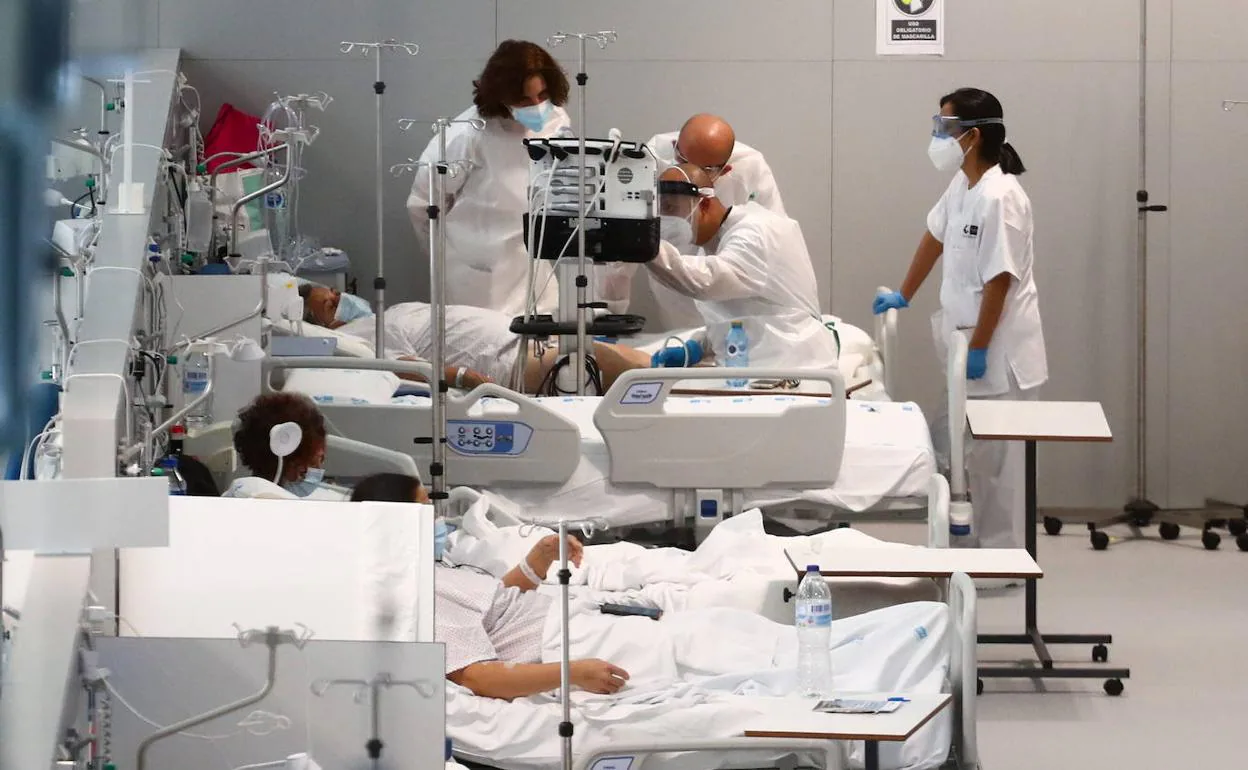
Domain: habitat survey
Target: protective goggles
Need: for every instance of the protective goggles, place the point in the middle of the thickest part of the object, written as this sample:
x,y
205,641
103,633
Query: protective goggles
x,y
950,125
714,171
677,198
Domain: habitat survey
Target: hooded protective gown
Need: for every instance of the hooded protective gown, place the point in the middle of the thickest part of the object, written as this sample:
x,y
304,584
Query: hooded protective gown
x,y
487,262
756,270
750,179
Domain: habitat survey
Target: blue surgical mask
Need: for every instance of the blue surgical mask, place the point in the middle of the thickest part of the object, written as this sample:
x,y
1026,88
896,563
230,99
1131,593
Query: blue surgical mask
x,y
440,534
534,116
351,307
311,481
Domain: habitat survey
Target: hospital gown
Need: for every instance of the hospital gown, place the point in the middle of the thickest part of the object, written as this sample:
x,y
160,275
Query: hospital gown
x,y
479,619
476,338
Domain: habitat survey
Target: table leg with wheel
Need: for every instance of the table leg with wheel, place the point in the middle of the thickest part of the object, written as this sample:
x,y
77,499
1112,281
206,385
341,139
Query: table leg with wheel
x,y
1033,637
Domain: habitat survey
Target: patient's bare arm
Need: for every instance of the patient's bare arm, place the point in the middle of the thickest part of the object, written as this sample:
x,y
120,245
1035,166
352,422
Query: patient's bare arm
x,y
469,378
495,679
539,560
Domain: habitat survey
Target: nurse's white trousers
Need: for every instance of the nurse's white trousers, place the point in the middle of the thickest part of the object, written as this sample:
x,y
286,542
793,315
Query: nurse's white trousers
x,y
996,474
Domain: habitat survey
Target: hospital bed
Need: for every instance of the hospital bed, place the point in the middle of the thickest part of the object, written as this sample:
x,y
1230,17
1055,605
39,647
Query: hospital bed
x,y
260,562
845,460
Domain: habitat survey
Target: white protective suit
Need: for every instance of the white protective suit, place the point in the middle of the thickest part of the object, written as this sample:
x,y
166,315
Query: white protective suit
x,y
987,230
757,270
749,180
487,262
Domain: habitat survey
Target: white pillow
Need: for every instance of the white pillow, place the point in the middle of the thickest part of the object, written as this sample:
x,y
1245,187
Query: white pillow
x,y
854,340
343,386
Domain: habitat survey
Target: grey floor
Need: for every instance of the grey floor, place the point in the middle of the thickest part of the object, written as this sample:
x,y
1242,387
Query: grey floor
x,y
1179,616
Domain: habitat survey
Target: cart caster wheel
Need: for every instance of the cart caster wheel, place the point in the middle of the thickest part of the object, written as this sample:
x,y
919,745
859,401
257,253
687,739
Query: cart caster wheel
x,y
1052,526
1113,687
979,686
1242,542
1211,540
1168,531
1237,527
1100,540
1100,654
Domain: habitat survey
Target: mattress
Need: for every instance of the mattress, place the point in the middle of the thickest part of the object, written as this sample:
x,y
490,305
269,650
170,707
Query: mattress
x,y
888,454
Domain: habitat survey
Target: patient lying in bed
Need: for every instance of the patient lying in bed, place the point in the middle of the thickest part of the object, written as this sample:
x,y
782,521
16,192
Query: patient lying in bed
x,y
502,637
478,340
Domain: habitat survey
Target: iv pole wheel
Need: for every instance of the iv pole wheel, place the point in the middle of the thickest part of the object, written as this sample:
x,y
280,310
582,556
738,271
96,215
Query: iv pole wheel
x,y
1052,526
1237,527
1210,540
1100,654
1242,542
1168,530
1100,540
1114,687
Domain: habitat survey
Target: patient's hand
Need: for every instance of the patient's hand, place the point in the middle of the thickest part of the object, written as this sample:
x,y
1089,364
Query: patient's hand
x,y
546,553
597,676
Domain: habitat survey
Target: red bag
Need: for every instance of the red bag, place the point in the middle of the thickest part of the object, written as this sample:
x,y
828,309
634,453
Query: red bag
x,y
233,131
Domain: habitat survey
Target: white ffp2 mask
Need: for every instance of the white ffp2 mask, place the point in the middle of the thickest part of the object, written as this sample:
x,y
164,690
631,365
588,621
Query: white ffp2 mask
x,y
677,231
946,153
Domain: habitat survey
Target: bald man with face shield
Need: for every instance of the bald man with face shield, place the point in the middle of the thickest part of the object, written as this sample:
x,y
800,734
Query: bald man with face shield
x,y
741,263
739,174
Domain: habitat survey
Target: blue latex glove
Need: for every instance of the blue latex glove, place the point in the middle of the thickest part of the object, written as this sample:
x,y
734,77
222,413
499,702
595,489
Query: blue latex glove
x,y
885,302
976,363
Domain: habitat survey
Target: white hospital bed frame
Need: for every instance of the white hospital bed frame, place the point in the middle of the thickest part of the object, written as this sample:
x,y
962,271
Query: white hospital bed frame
x,y
961,683
692,466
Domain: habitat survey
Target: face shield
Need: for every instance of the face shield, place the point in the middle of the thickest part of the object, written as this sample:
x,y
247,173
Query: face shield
x,y
951,126
678,207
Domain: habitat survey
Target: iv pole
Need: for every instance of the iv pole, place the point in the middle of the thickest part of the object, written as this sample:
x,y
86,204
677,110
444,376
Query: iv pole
x,y
437,293
577,357
379,88
1140,511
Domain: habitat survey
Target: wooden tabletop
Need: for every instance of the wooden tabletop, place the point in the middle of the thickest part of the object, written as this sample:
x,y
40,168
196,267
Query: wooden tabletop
x,y
796,718
1037,420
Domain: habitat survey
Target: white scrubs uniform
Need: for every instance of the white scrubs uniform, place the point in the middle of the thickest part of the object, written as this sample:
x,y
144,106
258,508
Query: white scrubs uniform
x,y
756,270
986,231
487,263
749,180
476,338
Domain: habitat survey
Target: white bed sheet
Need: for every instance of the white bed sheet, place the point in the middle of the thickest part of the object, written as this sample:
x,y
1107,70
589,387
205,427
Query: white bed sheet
x,y
888,454
690,682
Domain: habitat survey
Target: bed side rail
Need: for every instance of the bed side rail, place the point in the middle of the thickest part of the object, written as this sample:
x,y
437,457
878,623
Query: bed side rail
x,y
494,435
963,670
271,365
634,756
801,445
886,345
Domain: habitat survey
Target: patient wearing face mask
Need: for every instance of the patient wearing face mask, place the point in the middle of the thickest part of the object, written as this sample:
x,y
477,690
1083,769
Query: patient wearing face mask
x,y
479,344
301,472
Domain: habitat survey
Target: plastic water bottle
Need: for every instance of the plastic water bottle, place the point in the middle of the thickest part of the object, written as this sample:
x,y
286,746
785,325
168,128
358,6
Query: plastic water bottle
x,y
737,349
194,383
169,470
814,634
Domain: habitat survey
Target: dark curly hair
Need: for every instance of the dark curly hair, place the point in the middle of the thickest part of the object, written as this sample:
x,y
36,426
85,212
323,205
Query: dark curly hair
x,y
501,84
251,437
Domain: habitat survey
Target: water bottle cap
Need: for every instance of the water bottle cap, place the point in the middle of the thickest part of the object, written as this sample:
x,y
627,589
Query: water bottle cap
x,y
738,325
812,568
178,430
169,462
960,529
448,749
158,472
172,360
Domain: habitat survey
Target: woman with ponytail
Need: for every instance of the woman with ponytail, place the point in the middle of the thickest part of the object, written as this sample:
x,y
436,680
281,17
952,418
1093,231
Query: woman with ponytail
x,y
982,226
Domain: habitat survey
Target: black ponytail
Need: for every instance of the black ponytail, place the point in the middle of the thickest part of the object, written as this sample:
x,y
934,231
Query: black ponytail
x,y
972,104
